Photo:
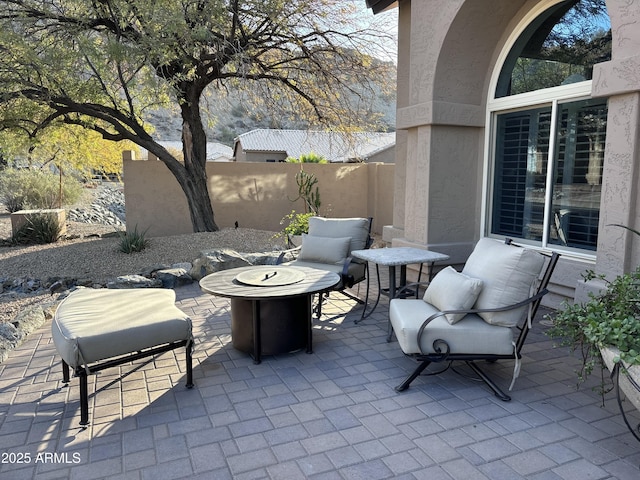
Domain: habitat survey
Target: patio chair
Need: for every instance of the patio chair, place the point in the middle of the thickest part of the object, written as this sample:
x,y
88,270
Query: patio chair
x,y
474,315
328,246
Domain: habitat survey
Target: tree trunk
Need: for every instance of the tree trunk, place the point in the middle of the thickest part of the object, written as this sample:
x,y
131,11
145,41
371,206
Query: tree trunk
x,y
193,177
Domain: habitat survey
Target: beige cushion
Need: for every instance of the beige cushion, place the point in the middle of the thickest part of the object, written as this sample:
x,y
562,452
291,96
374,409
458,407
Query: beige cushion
x,y
95,324
470,335
355,270
332,251
508,274
451,290
356,228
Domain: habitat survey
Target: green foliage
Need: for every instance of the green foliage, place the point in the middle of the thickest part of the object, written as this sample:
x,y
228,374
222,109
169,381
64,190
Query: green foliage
x,y
307,158
32,189
296,223
135,241
39,229
311,197
610,318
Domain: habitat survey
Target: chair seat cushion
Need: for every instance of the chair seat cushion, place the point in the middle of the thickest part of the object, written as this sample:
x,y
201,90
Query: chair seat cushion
x,y
96,324
471,335
450,290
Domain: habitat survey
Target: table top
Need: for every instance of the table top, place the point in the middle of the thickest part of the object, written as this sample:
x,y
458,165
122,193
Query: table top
x,y
399,255
225,283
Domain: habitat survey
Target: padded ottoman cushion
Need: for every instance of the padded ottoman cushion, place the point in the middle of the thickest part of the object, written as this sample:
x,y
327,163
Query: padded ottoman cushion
x,y
470,335
92,325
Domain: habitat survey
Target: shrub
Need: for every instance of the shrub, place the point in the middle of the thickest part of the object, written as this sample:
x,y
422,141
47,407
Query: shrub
x,y
31,189
40,229
296,223
310,157
135,241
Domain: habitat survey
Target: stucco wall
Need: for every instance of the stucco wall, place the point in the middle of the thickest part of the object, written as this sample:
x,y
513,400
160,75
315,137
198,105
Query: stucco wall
x,y
256,195
448,50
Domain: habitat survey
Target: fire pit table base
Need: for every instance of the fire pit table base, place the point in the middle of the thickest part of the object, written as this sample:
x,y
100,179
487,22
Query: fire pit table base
x,y
271,327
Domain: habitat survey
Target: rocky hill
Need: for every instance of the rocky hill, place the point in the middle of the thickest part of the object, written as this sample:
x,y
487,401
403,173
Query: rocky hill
x,y
229,114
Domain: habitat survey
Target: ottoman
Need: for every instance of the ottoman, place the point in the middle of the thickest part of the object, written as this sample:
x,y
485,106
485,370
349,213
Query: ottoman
x,y
94,329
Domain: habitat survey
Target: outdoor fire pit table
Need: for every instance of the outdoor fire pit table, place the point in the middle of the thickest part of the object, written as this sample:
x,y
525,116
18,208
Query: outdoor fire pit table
x,y
271,309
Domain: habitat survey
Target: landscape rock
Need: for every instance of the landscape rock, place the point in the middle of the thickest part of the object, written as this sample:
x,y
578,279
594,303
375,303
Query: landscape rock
x,y
107,208
224,259
134,281
151,270
28,320
174,277
215,261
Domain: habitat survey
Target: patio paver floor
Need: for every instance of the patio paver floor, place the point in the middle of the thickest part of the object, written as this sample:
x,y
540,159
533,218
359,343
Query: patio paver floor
x,y
333,414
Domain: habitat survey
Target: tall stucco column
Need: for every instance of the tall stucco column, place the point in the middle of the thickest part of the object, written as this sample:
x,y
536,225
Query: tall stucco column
x,y
396,230
619,80
441,108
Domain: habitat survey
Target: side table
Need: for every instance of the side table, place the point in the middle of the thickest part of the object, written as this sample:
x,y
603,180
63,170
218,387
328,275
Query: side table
x,y
393,257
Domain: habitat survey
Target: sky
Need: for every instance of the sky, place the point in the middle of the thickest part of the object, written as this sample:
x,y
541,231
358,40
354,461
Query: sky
x,y
390,21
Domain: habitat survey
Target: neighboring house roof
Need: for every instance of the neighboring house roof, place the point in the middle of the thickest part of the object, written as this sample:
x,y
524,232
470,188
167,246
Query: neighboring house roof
x,y
381,149
216,152
334,146
380,5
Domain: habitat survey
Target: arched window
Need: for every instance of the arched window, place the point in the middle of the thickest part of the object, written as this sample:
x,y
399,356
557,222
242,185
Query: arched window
x,y
548,135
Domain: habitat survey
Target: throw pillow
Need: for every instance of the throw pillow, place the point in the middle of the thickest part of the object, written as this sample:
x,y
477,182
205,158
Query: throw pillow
x,y
326,250
451,290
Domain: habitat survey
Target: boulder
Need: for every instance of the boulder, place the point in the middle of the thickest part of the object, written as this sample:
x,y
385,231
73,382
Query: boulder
x,y
29,319
216,260
135,281
174,277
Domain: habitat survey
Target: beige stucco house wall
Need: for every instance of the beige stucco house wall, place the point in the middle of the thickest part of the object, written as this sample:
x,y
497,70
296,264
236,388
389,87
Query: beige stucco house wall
x,y
448,51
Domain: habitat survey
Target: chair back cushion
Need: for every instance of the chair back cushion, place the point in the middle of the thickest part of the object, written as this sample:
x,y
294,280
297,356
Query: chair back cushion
x,y
324,250
507,273
451,290
356,228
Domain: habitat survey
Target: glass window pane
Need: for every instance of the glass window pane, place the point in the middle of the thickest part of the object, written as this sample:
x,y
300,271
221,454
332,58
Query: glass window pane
x,y
520,173
578,174
559,47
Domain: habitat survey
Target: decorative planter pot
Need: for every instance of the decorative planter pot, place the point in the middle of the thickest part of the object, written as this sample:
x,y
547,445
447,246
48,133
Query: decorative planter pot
x,y
628,374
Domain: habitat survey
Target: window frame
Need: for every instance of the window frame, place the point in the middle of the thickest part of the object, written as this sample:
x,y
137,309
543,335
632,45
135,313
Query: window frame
x,y
549,97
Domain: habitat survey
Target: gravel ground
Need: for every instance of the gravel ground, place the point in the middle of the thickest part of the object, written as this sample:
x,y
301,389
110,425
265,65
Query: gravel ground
x,y
88,256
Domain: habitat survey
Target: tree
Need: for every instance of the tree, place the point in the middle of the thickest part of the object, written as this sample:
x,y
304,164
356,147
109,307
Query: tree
x,y
104,64
68,147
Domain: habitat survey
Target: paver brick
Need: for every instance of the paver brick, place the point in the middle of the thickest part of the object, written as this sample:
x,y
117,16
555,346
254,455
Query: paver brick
x,y
331,414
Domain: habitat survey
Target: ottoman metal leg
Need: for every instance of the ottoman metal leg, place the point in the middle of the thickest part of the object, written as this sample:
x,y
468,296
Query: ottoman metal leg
x,y
65,372
189,349
84,397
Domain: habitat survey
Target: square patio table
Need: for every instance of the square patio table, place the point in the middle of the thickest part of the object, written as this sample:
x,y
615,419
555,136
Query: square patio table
x,y
393,257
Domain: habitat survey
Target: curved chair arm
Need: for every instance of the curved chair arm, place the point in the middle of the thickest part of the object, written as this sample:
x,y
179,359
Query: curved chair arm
x,y
347,280
515,306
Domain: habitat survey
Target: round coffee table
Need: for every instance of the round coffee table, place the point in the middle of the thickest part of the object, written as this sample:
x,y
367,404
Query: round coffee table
x,y
271,309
